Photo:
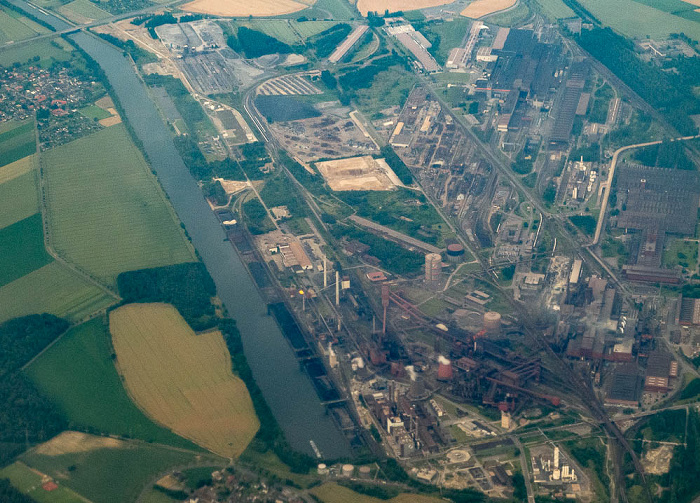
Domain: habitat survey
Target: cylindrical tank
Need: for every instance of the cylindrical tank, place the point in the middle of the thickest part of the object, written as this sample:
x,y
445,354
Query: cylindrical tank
x,y
322,469
348,470
365,472
433,267
455,253
444,372
492,322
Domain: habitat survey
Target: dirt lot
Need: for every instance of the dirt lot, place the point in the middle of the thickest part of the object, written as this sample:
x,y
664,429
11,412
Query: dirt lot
x,y
358,173
245,8
181,379
365,6
480,8
71,442
657,461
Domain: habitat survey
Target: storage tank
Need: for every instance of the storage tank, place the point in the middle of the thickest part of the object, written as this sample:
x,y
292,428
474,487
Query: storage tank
x,y
455,253
492,322
365,472
322,469
348,470
444,372
433,268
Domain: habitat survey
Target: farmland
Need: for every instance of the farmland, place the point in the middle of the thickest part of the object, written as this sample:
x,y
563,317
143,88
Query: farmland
x,y
78,374
379,6
243,8
202,400
17,141
289,31
555,9
22,249
106,211
82,11
339,10
637,20
18,199
17,168
481,8
52,289
29,482
15,27
112,474
334,493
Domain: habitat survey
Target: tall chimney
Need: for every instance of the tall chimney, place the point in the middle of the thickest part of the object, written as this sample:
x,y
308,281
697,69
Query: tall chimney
x,y
337,288
325,272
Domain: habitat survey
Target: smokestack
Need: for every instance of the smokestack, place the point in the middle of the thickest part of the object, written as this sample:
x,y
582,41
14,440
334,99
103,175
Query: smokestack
x,y
337,289
325,273
385,304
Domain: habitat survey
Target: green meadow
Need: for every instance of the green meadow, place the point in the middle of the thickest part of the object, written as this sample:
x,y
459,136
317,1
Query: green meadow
x,y
106,211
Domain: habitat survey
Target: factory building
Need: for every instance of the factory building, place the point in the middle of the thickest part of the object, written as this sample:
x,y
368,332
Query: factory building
x,y
660,369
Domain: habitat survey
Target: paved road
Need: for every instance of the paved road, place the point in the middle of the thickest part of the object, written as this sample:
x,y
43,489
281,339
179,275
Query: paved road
x,y
525,469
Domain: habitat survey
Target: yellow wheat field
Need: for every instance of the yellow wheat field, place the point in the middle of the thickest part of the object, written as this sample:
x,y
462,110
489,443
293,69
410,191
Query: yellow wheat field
x,y
481,8
182,380
381,6
245,8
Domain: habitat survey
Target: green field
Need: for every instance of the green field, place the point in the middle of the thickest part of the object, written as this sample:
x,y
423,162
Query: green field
x,y
29,482
389,88
451,34
279,28
94,112
15,27
84,9
289,31
510,17
17,142
556,9
106,211
637,20
681,252
339,10
47,51
109,475
79,375
22,249
310,28
52,289
18,199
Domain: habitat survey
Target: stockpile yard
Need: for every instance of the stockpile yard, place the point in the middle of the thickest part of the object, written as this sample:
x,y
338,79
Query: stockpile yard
x,y
289,85
324,130
358,173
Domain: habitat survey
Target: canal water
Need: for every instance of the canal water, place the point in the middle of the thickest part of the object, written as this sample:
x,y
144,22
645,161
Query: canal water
x,y
41,14
287,389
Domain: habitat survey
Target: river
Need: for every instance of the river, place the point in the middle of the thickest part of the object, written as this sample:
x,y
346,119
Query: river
x,y
287,389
